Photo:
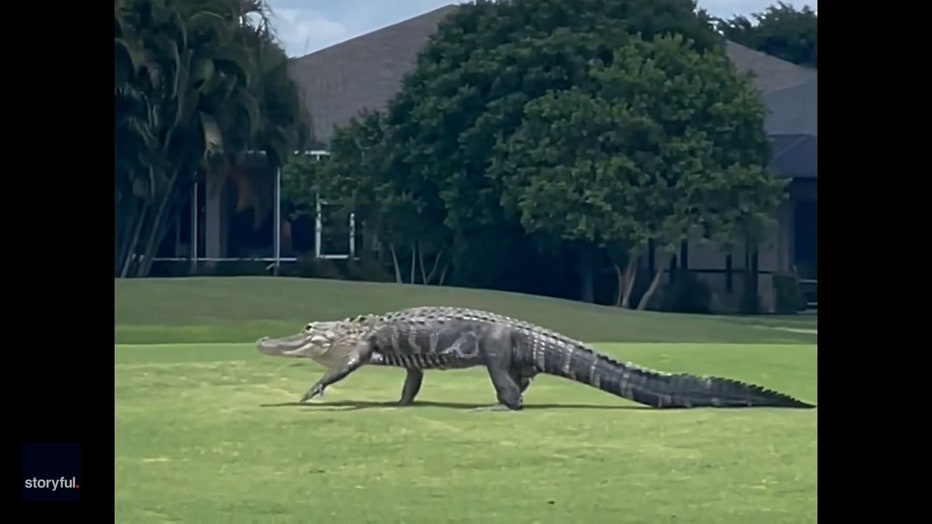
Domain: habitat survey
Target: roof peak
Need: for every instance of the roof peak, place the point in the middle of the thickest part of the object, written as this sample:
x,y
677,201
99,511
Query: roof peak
x,y
389,27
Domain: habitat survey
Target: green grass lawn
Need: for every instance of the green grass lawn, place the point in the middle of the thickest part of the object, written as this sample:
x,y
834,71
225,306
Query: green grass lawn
x,y
803,321
207,429
241,309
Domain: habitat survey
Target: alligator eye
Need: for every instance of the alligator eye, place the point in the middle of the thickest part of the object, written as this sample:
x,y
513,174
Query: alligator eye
x,y
308,327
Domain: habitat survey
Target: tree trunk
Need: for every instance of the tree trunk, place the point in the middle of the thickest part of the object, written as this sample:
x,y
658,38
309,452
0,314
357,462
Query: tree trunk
x,y
420,258
433,270
126,217
750,300
164,227
631,273
130,252
391,248
621,284
413,261
123,234
443,274
157,231
664,261
119,233
587,291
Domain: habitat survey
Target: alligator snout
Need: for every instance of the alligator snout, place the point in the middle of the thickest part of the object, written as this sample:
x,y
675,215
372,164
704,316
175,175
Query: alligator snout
x,y
281,346
264,347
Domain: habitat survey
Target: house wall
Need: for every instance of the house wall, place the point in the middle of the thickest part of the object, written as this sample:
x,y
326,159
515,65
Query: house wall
x,y
710,263
231,191
216,217
804,192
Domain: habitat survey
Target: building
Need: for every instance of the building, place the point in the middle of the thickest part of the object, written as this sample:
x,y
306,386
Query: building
x,y
790,94
366,71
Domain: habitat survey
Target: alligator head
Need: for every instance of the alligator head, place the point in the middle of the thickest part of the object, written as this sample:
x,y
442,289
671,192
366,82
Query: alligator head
x,y
316,340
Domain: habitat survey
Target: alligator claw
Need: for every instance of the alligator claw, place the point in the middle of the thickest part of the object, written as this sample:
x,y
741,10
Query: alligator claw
x,y
315,391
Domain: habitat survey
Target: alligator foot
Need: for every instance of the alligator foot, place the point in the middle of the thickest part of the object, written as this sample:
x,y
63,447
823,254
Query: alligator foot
x,y
494,407
412,386
316,391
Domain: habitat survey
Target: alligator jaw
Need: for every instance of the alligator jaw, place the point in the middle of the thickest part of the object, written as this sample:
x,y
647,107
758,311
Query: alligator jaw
x,y
289,346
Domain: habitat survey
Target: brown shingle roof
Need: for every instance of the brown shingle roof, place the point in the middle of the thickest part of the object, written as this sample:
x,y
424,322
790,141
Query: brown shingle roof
x,y
771,73
794,110
365,72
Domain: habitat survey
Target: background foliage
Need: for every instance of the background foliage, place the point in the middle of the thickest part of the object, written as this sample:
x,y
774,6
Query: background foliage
x,y
538,143
541,146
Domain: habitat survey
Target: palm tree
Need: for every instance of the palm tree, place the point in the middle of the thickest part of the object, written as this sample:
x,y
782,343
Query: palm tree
x,y
194,91
283,125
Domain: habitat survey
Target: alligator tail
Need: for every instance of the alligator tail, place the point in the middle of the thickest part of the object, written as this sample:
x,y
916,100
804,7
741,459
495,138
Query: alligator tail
x,y
657,389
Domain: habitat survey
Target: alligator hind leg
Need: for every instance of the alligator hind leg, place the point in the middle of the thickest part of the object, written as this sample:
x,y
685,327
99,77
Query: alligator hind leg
x,y
412,386
507,389
497,346
524,378
524,383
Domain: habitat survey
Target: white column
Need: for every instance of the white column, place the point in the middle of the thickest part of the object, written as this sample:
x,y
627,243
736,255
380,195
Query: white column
x,y
277,219
214,218
318,226
352,236
194,229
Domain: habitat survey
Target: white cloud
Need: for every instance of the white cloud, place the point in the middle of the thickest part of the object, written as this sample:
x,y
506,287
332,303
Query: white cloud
x,y
303,31
729,8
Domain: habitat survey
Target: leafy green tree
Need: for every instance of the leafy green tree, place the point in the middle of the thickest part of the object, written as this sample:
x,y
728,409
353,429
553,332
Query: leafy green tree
x,y
564,177
667,145
300,182
781,30
362,175
472,83
197,84
581,123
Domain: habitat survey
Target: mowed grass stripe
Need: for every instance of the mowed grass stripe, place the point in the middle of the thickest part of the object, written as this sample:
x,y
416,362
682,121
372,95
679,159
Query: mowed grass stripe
x,y
643,354
757,364
238,309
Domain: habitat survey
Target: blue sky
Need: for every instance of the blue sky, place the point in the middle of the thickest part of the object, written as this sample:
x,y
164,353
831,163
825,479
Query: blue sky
x,y
305,26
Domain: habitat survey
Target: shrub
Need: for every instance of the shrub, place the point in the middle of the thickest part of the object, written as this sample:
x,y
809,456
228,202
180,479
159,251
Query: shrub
x,y
234,268
368,269
686,294
312,267
787,297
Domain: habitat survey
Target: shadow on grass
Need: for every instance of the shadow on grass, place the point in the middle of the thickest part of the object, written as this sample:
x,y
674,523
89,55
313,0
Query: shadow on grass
x,y
362,404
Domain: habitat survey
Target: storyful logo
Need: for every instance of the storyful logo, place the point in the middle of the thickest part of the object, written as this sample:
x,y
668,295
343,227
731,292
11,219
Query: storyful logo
x,y
51,472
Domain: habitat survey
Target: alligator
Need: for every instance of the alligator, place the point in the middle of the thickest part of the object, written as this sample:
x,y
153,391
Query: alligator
x,y
512,351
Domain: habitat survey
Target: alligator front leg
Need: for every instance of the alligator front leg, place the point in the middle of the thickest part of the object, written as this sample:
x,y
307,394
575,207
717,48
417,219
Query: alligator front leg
x,y
412,386
353,361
